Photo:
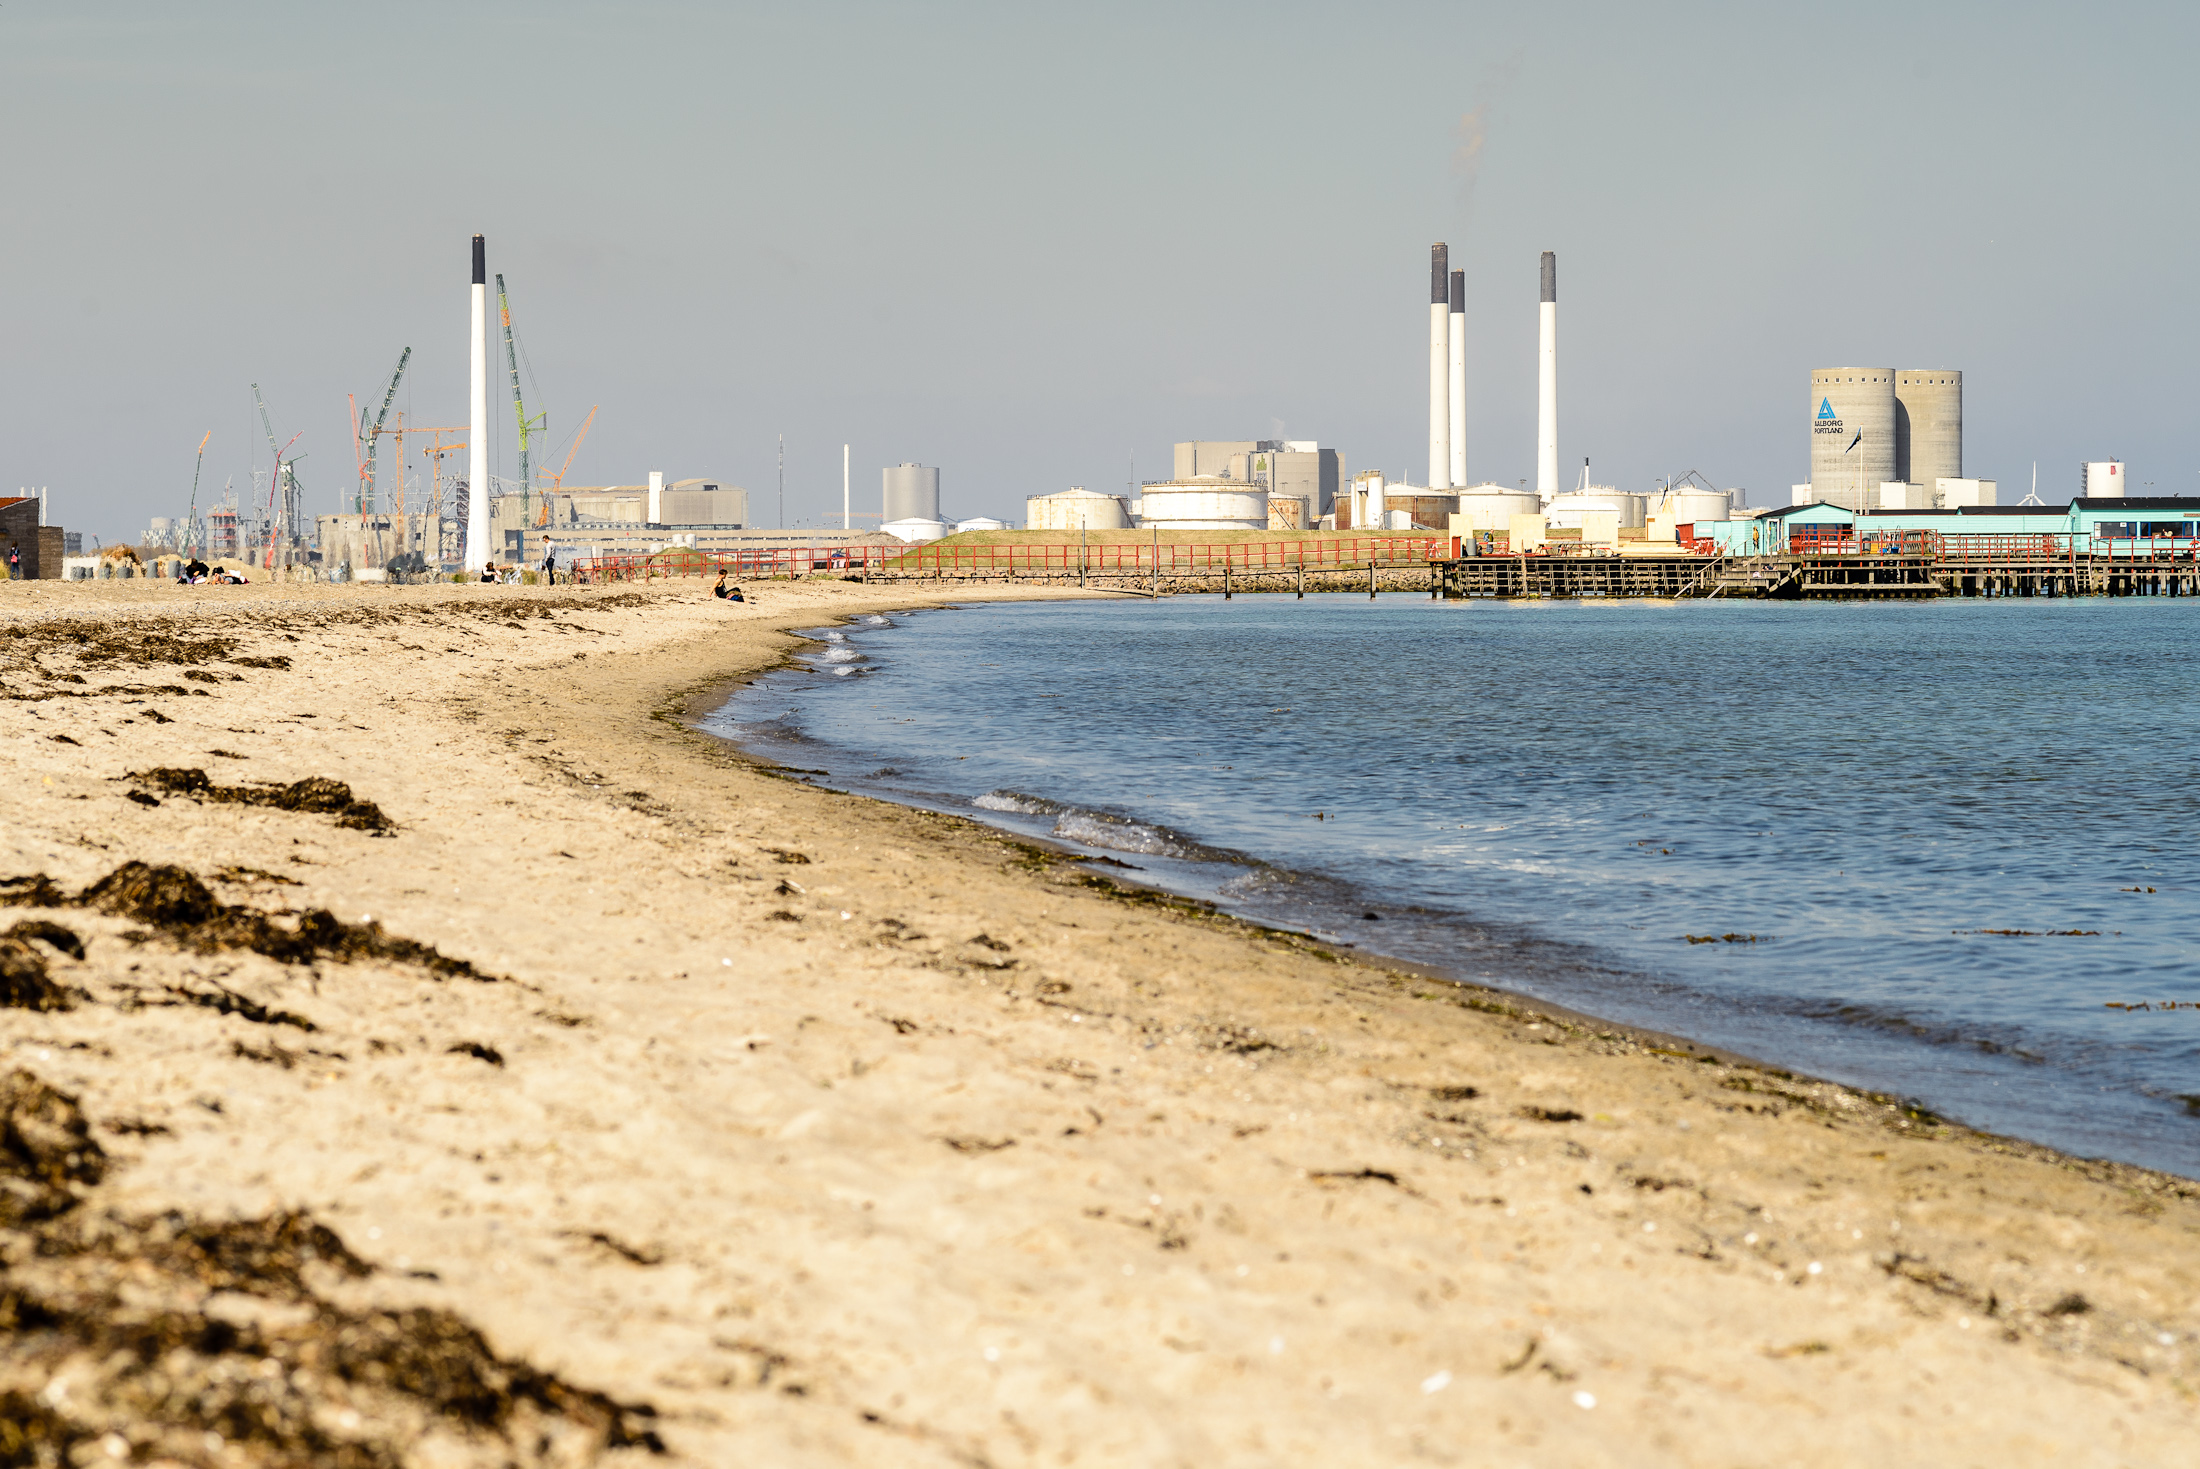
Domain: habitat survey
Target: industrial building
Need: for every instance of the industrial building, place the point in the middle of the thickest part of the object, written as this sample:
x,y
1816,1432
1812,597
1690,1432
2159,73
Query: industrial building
x,y
31,547
2090,520
1298,471
1882,437
682,503
376,539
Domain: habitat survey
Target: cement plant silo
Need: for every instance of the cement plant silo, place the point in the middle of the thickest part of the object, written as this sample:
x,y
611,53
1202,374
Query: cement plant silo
x,y
1851,434
1928,425
912,493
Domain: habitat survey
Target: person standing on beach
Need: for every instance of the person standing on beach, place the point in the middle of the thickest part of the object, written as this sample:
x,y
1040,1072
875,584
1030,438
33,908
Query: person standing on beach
x,y
15,563
549,567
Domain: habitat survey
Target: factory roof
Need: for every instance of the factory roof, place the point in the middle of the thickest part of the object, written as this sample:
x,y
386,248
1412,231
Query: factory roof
x,y
1784,512
1981,510
2137,502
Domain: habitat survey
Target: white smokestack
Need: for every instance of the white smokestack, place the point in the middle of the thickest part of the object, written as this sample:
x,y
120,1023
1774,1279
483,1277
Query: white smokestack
x,y
1439,368
477,438
1546,397
656,509
1458,380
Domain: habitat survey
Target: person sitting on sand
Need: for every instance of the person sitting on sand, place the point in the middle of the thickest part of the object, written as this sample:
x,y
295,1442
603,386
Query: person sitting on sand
x,y
719,591
194,571
488,571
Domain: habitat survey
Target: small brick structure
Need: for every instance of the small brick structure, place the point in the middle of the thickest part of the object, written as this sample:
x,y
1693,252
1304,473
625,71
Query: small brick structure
x,y
40,546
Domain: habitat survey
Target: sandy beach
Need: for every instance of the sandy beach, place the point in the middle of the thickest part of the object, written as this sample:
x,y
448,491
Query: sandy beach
x,y
424,1047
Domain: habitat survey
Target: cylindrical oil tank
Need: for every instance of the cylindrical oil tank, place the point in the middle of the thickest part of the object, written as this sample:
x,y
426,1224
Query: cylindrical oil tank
x,y
980,522
1565,511
1491,507
1851,433
1928,425
1206,504
1076,508
1690,507
1632,510
912,492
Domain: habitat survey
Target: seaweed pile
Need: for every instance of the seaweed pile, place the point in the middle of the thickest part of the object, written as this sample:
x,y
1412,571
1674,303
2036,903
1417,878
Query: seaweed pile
x,y
202,1343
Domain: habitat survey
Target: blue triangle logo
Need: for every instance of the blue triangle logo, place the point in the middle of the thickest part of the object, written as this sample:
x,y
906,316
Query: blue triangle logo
x,y
1825,408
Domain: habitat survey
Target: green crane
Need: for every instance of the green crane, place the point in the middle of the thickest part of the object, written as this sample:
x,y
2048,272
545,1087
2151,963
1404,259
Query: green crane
x,y
374,435
191,536
519,408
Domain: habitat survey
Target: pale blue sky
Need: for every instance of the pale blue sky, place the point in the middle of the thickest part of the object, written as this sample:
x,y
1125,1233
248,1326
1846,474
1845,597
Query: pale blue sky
x,y
1025,242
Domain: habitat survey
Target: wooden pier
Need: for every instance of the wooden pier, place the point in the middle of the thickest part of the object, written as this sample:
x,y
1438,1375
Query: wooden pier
x,y
1814,574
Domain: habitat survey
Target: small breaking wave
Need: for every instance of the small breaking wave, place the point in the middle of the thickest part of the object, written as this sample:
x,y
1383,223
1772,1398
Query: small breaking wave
x,y
1104,829
1019,803
1122,834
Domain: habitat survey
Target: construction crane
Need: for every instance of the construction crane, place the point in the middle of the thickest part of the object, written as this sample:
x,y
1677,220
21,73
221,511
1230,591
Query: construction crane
x,y
519,408
282,485
191,516
373,436
557,481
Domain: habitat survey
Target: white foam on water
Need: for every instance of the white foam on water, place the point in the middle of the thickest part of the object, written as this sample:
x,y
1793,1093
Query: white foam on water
x,y
1017,802
1121,834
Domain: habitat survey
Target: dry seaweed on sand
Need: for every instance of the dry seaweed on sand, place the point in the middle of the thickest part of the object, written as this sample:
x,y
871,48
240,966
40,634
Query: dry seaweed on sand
x,y
25,983
172,901
181,1338
316,794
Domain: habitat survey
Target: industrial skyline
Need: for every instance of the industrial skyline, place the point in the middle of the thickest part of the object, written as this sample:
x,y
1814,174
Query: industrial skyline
x,y
275,197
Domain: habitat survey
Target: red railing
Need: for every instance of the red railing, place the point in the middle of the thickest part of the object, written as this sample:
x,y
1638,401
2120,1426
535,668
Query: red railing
x,y
2005,547
1105,558
2146,548
1172,557
1842,540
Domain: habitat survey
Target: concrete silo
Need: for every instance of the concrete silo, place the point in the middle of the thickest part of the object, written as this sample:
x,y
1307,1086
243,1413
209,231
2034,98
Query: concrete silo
x,y
1928,425
1851,434
912,493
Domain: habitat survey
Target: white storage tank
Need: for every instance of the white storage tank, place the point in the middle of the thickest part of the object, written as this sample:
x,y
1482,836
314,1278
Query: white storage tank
x,y
1491,507
916,529
2104,479
980,522
1565,511
1694,507
1208,502
1076,508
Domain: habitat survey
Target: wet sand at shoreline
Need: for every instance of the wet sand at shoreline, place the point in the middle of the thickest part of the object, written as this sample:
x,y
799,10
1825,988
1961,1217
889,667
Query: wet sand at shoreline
x,y
632,1096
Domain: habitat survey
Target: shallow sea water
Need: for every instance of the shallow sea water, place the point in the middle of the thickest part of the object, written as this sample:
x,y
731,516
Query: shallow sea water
x,y
1922,848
